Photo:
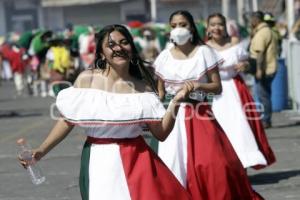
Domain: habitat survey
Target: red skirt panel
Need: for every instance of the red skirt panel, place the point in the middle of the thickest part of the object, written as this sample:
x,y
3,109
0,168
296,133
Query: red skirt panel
x,y
147,176
214,171
254,122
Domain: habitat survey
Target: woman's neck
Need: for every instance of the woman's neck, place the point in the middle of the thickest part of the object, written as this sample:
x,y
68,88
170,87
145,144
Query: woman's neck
x,y
220,44
221,41
119,80
186,49
118,73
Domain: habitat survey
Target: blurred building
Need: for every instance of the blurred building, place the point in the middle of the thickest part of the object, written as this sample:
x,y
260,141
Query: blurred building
x,y
21,15
103,12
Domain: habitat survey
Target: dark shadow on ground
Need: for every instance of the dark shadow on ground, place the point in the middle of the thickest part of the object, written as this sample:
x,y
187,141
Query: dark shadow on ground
x,y
272,177
19,113
6,100
297,123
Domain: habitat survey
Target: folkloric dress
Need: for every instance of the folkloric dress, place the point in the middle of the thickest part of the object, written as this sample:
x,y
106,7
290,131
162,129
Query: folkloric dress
x,y
116,162
235,111
197,151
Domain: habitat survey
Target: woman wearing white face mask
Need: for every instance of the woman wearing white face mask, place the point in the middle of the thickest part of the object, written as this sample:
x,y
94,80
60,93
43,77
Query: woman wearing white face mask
x,y
180,35
197,151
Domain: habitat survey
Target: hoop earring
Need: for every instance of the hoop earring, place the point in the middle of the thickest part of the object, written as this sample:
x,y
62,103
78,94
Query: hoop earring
x,y
208,34
101,64
192,39
134,61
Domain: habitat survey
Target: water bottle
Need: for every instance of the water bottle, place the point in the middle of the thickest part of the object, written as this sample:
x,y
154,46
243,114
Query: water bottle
x,y
24,152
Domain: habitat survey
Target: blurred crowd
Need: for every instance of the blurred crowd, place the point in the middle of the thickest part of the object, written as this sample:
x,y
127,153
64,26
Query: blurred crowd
x,y
35,59
38,59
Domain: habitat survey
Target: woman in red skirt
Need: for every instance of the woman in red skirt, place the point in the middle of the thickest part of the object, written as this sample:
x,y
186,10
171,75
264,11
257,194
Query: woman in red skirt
x,y
235,109
112,103
198,151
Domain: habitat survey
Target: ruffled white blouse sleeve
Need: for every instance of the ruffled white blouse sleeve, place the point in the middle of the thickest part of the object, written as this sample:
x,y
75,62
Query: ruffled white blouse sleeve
x,y
231,56
94,106
211,58
242,53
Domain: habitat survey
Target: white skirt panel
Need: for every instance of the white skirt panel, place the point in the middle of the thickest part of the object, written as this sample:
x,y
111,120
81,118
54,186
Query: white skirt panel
x,y
107,179
229,112
173,151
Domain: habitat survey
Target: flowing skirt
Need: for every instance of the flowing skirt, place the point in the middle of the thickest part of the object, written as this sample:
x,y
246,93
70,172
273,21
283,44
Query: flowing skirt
x,y
235,111
125,169
256,125
202,158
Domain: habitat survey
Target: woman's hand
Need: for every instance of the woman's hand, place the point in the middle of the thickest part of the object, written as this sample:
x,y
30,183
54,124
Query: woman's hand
x,y
163,129
37,154
184,92
241,66
259,74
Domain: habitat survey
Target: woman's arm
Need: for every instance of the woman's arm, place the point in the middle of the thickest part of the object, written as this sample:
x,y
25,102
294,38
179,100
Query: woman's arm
x,y
162,130
241,66
60,130
214,83
161,89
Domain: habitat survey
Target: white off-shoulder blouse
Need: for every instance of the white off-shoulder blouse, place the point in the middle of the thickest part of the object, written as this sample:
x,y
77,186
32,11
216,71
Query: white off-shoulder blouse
x,y
174,72
109,115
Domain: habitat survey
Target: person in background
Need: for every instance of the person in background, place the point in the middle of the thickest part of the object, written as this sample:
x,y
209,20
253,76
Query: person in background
x,y
13,54
234,108
197,150
149,44
112,102
264,51
295,32
270,20
39,46
87,48
6,73
72,33
58,62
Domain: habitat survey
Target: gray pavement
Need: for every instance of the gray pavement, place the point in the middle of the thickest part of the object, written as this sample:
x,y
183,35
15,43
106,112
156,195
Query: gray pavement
x,y
29,117
281,181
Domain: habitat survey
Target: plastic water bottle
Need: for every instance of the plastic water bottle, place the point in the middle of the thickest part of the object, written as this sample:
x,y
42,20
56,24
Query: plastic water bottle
x,y
24,152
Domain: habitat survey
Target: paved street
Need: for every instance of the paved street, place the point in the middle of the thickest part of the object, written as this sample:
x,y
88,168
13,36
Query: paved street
x,y
29,117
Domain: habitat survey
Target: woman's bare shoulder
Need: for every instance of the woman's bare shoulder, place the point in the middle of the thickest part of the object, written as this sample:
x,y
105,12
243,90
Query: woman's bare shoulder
x,y
142,86
235,40
84,79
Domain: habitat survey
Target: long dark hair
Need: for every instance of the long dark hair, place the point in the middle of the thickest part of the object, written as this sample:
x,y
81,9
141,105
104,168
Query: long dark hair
x,y
137,68
223,19
196,40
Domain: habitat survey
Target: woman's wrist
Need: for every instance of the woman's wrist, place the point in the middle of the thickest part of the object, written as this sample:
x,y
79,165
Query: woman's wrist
x,y
196,86
173,107
42,150
173,103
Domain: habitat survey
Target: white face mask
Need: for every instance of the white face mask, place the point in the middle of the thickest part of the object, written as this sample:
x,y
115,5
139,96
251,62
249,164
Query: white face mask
x,y
180,35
